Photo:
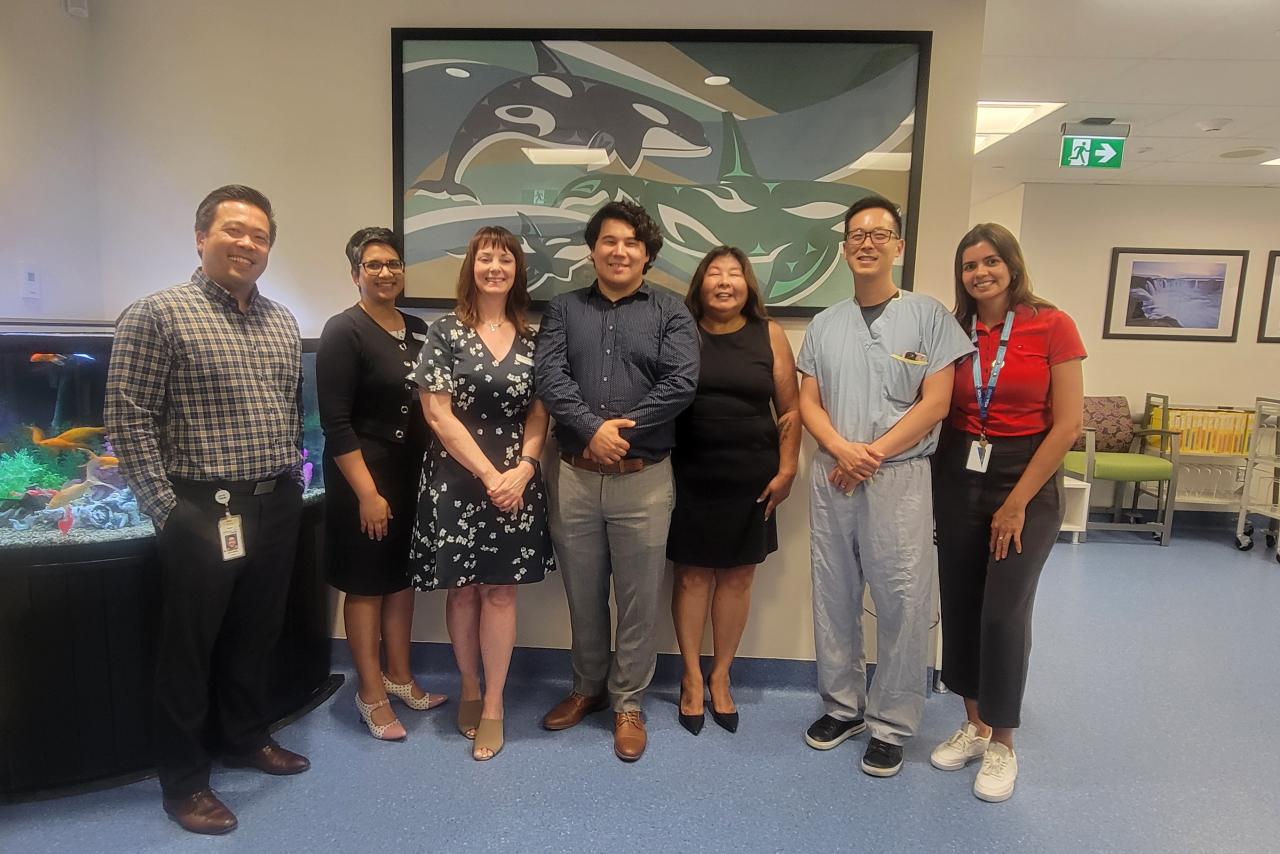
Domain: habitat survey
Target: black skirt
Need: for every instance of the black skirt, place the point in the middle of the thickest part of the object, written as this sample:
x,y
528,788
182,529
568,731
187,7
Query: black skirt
x,y
353,562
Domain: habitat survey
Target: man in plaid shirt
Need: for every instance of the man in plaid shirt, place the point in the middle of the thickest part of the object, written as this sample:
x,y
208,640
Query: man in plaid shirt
x,y
203,410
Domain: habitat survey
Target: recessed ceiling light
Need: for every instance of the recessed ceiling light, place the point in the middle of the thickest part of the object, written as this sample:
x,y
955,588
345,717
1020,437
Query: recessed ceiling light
x,y
454,71
717,80
1244,153
998,119
1275,162
595,157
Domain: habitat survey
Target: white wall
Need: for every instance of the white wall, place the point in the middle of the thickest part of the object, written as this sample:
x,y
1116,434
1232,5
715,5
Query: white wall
x,y
1003,208
294,97
1068,232
48,178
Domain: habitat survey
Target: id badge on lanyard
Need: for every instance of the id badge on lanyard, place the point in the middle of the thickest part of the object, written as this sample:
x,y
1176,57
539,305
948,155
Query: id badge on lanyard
x,y
980,448
230,532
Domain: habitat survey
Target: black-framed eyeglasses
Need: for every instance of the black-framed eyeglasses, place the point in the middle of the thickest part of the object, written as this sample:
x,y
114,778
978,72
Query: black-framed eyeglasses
x,y
879,236
374,268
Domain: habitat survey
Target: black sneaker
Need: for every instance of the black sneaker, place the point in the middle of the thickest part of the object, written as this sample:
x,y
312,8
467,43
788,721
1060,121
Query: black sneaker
x,y
828,732
882,759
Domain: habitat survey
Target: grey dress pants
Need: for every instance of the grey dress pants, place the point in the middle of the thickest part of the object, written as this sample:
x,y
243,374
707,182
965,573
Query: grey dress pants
x,y
603,527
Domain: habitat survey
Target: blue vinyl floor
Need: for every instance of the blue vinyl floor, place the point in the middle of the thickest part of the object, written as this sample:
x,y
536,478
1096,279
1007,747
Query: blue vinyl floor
x,y
1148,726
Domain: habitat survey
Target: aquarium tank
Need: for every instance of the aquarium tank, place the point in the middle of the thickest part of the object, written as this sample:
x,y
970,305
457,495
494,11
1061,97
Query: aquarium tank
x,y
59,477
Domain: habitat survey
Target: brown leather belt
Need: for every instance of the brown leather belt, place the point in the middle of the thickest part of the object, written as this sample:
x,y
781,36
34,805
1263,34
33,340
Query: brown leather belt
x,y
623,466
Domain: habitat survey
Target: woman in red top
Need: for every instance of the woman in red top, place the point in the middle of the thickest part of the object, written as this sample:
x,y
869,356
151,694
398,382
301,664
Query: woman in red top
x,y
1016,408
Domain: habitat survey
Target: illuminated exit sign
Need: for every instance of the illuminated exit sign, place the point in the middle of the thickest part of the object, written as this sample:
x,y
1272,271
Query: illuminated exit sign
x,y
1092,152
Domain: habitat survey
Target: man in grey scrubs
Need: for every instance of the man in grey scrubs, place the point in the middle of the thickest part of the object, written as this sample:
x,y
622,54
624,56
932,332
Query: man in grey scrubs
x,y
877,374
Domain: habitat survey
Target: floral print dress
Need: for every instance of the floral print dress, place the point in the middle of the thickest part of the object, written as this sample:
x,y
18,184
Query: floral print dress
x,y
459,537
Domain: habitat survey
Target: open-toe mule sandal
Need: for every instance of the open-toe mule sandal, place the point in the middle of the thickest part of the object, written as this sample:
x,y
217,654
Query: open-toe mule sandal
x,y
469,716
488,737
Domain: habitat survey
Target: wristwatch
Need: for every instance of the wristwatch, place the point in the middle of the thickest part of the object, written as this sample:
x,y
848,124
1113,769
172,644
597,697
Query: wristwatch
x,y
533,461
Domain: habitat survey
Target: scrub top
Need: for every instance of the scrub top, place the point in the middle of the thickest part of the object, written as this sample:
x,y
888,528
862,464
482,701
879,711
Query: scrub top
x,y
870,376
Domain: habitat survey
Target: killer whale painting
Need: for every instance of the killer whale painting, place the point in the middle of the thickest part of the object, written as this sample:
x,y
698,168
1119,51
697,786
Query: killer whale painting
x,y
726,137
555,108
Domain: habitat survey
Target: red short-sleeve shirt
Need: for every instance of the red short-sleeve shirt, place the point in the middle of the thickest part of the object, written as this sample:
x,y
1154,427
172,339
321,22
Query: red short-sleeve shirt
x,y
1041,338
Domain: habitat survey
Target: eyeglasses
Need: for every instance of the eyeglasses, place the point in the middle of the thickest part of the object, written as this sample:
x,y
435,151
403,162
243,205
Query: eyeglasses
x,y
879,236
374,268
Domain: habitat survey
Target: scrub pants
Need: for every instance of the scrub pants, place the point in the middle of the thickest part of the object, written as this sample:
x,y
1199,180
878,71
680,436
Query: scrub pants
x,y
881,536
987,603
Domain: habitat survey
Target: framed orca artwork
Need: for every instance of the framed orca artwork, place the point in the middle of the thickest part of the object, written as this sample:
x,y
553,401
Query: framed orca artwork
x,y
755,139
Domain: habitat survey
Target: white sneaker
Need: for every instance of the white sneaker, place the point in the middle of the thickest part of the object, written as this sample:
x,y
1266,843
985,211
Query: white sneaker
x,y
959,750
999,772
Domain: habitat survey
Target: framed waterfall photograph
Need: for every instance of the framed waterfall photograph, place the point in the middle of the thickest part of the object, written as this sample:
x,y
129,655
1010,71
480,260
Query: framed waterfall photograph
x,y
758,139
1269,322
1175,294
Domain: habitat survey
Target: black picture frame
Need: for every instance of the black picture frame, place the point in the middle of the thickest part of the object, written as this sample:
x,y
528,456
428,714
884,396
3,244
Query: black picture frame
x,y
1141,318
921,40
1270,291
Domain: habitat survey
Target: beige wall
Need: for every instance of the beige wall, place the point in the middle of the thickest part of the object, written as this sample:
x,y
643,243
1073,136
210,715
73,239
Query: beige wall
x,y
294,97
1068,232
1005,209
48,178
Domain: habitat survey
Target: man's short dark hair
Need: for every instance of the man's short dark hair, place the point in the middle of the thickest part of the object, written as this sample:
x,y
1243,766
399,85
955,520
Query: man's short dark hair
x,y
633,215
874,202
366,237
234,193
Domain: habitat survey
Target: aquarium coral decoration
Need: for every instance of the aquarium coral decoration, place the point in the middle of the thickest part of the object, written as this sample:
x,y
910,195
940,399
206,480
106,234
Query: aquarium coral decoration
x,y
21,470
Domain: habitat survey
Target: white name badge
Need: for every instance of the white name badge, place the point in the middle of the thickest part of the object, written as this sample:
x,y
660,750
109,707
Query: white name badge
x,y
231,536
522,359
979,456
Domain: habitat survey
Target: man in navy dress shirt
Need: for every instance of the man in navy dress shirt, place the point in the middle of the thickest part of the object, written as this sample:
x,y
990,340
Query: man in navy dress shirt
x,y
616,363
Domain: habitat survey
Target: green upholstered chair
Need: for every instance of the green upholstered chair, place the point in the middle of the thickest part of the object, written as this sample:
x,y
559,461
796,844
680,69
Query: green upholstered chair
x,y
1114,449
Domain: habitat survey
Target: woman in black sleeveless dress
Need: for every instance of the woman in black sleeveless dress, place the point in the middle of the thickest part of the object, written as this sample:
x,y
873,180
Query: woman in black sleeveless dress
x,y
733,465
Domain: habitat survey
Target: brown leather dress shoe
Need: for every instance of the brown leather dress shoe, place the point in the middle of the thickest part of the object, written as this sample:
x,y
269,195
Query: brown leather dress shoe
x,y
271,758
201,813
629,737
572,709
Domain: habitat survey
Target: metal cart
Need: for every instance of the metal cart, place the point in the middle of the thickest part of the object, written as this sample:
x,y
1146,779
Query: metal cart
x,y
1261,493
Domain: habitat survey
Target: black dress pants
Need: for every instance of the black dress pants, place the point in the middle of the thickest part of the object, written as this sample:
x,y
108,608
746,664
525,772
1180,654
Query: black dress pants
x,y
986,603
219,622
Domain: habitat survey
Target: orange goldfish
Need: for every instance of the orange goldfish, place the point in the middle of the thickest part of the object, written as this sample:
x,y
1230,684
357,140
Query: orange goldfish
x,y
73,439
63,497
60,359
95,463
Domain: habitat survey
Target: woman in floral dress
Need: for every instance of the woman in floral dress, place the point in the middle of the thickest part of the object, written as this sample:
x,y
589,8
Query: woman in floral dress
x,y
482,507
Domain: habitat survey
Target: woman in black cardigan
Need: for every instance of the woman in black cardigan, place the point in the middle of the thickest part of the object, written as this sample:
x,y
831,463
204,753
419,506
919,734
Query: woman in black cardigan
x,y
375,437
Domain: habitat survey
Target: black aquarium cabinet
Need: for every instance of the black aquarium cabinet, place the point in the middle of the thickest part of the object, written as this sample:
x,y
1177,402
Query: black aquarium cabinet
x,y
79,597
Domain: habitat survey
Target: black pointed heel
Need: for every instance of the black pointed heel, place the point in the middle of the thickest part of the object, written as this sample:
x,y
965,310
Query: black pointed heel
x,y
693,723
726,720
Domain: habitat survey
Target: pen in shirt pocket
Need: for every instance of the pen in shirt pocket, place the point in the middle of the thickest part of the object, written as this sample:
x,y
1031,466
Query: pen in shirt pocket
x,y
911,357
